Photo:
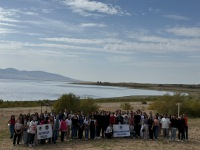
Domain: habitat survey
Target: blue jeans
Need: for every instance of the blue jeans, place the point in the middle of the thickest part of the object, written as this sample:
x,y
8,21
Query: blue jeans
x,y
186,132
166,133
173,134
74,132
156,130
55,136
25,136
86,132
11,131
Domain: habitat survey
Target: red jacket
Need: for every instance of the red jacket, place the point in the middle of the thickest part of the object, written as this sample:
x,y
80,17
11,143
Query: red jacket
x,y
112,119
63,125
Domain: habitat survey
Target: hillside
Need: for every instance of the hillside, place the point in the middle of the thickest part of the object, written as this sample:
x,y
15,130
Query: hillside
x,y
11,73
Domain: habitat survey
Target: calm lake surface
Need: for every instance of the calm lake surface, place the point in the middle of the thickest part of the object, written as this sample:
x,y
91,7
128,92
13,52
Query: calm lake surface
x,y
52,90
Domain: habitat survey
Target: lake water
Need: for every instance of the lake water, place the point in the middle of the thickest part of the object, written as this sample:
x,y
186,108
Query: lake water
x,y
52,90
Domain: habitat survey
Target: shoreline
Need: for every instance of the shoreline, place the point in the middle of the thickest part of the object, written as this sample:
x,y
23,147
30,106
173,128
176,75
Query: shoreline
x,y
190,89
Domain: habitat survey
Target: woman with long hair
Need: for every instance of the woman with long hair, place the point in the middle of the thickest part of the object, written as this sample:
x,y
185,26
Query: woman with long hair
x,y
18,131
11,124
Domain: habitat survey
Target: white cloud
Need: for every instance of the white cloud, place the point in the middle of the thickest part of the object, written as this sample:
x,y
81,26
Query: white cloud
x,y
82,41
10,45
144,43
85,7
185,32
8,15
156,45
19,48
176,17
154,39
73,40
30,13
7,24
47,10
6,31
86,25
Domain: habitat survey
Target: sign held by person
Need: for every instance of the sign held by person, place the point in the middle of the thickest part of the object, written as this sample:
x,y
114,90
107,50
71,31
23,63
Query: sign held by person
x,y
44,131
121,130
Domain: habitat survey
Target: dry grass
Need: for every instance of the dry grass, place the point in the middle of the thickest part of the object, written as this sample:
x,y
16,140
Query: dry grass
x,y
115,143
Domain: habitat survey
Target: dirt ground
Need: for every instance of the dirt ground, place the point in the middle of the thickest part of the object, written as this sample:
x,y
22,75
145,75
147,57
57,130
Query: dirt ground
x,y
107,144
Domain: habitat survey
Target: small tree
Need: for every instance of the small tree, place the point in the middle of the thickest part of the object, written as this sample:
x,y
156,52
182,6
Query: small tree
x,y
88,105
67,101
166,104
126,106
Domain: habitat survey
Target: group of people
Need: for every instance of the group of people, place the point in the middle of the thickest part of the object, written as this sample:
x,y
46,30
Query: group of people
x,y
68,126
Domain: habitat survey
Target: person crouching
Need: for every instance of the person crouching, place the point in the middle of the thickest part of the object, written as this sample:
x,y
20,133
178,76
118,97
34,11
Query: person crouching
x,y
109,132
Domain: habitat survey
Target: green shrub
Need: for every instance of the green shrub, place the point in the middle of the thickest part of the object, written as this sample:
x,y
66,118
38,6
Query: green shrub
x,y
126,106
88,105
144,102
167,104
73,103
67,101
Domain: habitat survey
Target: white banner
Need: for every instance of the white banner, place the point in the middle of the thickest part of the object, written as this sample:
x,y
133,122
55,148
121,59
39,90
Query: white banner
x,y
121,130
44,131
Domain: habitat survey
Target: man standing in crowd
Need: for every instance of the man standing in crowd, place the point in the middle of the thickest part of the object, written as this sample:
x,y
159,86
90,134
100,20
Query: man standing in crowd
x,y
165,126
181,128
174,123
137,119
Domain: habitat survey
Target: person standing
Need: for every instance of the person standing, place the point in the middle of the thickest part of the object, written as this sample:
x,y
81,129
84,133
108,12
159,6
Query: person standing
x,y
174,124
80,127
181,127
56,128
156,127
150,124
99,122
112,118
105,122
137,127
92,128
165,126
86,127
69,123
74,126
63,128
11,124
33,128
186,126
18,131
145,127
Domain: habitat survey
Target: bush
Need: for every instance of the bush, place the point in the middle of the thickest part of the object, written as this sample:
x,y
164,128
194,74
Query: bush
x,y
126,106
168,105
88,105
73,103
144,102
67,101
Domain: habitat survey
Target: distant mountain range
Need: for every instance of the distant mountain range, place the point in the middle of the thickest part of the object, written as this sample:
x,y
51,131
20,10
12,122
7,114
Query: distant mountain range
x,y
11,73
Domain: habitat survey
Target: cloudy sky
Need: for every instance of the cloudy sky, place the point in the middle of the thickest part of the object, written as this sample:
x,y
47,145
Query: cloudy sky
x,y
147,41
